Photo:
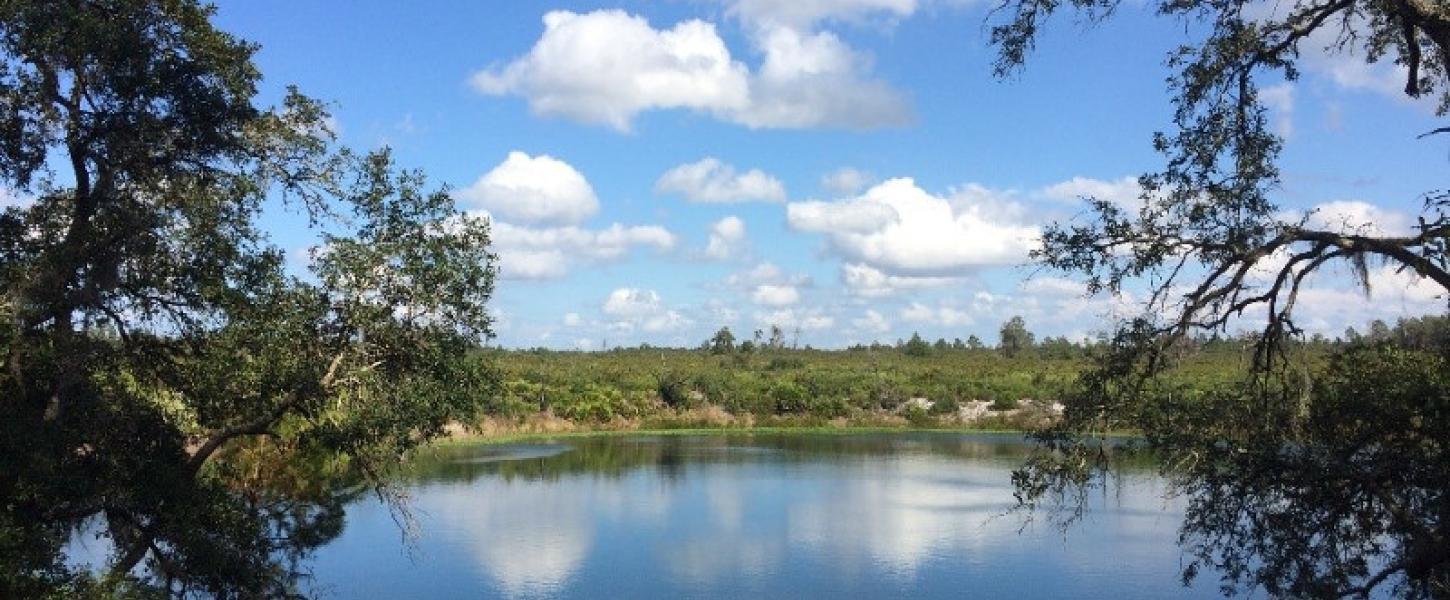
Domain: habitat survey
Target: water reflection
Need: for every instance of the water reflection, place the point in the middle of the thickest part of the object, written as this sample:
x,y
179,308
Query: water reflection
x,y
915,515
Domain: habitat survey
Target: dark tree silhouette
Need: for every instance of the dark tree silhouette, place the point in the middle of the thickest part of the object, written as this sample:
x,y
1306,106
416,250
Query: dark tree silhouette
x,y
166,384
1303,480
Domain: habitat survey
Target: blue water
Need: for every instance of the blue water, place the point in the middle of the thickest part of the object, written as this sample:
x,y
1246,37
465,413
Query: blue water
x,y
764,516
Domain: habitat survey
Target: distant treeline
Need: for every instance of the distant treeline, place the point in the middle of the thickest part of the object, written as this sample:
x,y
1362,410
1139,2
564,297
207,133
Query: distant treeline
x,y
768,378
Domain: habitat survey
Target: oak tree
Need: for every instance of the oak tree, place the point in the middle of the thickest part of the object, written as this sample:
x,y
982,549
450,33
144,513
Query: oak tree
x,y
169,385
1302,480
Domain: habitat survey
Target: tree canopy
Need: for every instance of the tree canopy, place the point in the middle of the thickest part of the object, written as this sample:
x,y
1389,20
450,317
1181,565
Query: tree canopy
x,y
169,385
1015,338
1288,472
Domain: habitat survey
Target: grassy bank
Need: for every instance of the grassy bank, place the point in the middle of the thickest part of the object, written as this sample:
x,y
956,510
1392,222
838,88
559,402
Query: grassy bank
x,y
711,420
651,389
467,439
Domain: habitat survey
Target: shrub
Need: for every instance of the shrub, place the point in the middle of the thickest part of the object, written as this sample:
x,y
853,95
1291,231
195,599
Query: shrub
x,y
945,406
1005,403
789,397
918,416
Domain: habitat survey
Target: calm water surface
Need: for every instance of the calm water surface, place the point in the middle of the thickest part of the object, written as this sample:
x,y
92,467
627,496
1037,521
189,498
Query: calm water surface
x,y
759,516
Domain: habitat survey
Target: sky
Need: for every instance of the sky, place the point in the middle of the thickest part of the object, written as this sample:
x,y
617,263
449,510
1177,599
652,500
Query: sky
x,y
848,170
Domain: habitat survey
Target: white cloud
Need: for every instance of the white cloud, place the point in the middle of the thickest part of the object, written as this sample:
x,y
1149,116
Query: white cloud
x,y
816,80
9,199
667,321
928,236
853,216
607,66
1124,192
775,295
790,318
572,319
726,237
1355,216
1055,287
633,307
713,181
537,190
872,322
805,13
1345,65
641,309
550,252
1331,302
917,312
944,315
846,181
1280,99
765,274
863,280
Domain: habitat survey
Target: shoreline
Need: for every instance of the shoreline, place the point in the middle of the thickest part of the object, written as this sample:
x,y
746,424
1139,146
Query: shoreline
x,y
461,437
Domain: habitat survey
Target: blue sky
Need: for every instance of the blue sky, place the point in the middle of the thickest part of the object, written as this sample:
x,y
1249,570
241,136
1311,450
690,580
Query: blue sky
x,y
656,170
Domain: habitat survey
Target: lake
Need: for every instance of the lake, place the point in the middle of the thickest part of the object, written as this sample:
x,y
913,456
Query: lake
x,y
917,515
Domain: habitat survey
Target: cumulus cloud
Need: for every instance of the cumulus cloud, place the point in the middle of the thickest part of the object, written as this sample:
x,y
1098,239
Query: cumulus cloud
x,y
550,252
1331,301
10,199
1280,99
813,319
775,295
816,80
855,216
1124,192
900,229
805,13
1056,287
607,66
534,189
726,237
863,280
631,302
872,322
713,181
944,315
767,284
1358,217
638,308
1346,66
846,181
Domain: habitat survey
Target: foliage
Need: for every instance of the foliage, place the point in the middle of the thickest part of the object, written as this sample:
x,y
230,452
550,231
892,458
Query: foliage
x,y
820,383
1339,511
1015,338
156,350
916,346
1210,246
723,342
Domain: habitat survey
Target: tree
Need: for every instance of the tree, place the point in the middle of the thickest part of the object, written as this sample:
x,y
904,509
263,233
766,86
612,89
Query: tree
x,y
1057,348
165,378
974,342
1016,339
1351,336
777,338
916,347
1379,331
1207,230
723,342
